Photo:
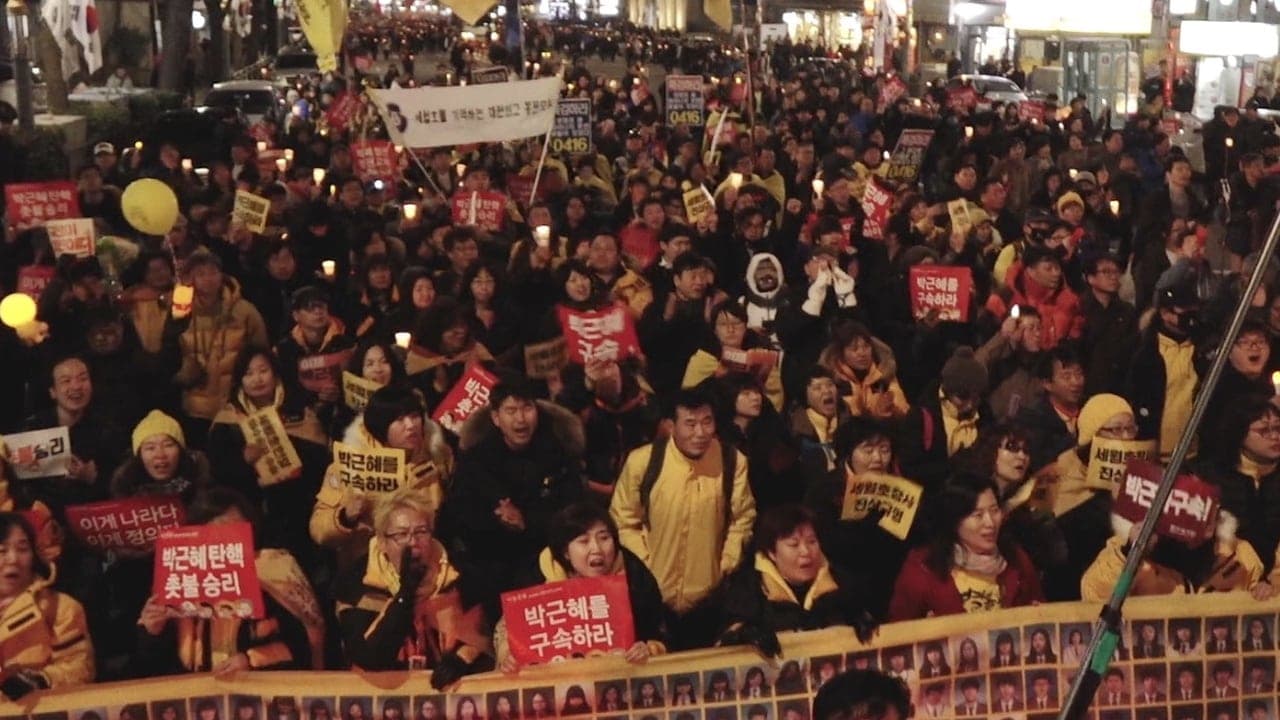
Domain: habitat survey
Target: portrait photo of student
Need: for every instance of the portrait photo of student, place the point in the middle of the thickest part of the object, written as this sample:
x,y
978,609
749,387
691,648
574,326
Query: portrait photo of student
x,y
1153,683
933,661
1259,676
1042,691
1040,646
755,683
1006,693
1075,643
1184,638
970,697
1221,638
933,700
1004,650
538,702
1148,639
1187,682
1257,634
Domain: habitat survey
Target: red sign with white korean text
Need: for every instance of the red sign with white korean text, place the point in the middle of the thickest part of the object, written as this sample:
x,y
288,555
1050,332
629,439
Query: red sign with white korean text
x,y
889,94
488,211
468,395
208,570
876,203
942,288
342,111
640,243
375,160
570,618
33,279
1031,110
961,97
519,187
127,524
598,335
1191,514
321,373
28,204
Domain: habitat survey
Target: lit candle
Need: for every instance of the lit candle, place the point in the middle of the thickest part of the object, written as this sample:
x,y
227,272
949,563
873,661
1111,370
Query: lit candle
x,y
1275,381
281,165
399,150
329,267
818,186
537,67
137,145
462,169
1231,142
886,154
1072,173
317,176
187,165
542,235
262,146
402,340
968,131
288,154
1014,312
202,173
735,180
410,211
1115,207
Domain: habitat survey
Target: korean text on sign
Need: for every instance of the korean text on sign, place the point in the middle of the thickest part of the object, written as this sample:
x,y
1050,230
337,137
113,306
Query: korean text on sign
x,y
468,395
572,131
1108,458
571,618
207,570
27,204
600,335
908,155
375,160
943,289
126,524
897,498
685,102
1190,515
71,236
39,453
371,470
279,459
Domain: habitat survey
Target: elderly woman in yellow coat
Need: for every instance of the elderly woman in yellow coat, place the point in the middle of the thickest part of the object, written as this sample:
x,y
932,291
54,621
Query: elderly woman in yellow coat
x,y
393,419
44,638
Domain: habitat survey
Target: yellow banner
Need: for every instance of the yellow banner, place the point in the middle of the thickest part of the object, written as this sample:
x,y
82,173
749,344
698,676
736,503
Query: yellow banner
x,y
697,206
371,470
1108,457
899,498
470,11
280,459
951,665
961,221
251,211
324,22
356,390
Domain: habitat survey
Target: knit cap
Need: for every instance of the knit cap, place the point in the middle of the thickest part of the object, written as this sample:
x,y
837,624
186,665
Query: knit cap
x,y
157,423
1096,412
963,375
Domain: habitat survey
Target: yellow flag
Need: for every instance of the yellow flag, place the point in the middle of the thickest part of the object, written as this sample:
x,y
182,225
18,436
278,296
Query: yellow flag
x,y
323,22
470,11
720,12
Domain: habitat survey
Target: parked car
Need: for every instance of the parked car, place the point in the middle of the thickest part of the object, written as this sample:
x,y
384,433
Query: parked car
x,y
290,65
203,134
257,100
991,88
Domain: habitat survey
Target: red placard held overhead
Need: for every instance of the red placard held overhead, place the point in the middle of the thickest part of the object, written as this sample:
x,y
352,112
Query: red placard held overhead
x,y
375,160
598,335
208,569
127,524
942,288
27,204
482,209
1191,514
468,395
570,618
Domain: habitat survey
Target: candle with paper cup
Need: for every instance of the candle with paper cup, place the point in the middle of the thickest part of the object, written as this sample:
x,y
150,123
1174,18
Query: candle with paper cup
x,y
735,180
1115,207
317,176
542,235
202,173
187,165
410,211
281,165
402,340
968,132
329,267
818,186
262,146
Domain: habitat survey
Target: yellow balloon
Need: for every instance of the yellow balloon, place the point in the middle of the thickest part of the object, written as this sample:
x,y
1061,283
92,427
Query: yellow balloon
x,y
17,310
150,206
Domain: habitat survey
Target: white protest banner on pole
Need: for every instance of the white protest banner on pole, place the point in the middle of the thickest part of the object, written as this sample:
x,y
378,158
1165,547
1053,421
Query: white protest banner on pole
x,y
73,236
427,117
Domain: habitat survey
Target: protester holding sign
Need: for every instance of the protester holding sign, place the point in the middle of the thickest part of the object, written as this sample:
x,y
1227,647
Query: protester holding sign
x,y
313,353
45,642
162,464
791,586
866,370
290,635
372,365
399,607
970,565
736,349
583,543
14,498
393,419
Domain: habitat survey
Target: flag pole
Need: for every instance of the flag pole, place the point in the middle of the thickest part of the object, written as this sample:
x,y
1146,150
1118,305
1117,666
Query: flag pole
x,y
537,174
1106,632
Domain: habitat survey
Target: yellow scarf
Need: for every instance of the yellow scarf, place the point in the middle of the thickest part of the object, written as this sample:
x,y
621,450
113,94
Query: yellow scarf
x,y
824,427
1255,470
960,433
777,589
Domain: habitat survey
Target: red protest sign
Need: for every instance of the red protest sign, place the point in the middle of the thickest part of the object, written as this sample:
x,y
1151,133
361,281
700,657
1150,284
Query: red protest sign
x,y
1191,514
375,160
127,524
1031,110
570,618
321,373
640,243
469,394
889,94
341,112
942,288
963,96
876,203
598,335
484,209
27,204
520,187
33,279
207,570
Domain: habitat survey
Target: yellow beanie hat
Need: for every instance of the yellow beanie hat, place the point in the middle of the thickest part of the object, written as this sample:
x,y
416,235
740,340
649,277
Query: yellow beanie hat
x,y
1096,412
157,423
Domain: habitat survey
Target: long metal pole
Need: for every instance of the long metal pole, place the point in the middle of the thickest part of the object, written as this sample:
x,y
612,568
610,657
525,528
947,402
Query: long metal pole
x,y
1106,632
22,63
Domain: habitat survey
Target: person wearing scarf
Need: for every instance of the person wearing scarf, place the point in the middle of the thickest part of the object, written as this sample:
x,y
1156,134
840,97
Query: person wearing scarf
x,y
866,372
971,565
765,295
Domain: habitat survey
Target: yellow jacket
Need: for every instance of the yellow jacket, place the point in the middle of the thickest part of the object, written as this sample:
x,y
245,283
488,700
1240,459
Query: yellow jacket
x,y
703,365
684,538
428,471
860,399
1237,568
45,631
209,348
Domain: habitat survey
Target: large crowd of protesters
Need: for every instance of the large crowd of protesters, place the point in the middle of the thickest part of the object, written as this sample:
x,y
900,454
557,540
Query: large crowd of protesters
x,y
1105,268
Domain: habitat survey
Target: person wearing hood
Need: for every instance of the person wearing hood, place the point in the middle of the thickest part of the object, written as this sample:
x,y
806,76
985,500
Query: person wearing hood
x,y
1163,375
206,342
520,463
730,351
865,370
582,542
401,607
765,297
827,295
314,351
789,585
395,418
1039,284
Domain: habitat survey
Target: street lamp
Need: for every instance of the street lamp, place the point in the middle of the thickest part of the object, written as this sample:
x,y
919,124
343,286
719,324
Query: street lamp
x,y
22,63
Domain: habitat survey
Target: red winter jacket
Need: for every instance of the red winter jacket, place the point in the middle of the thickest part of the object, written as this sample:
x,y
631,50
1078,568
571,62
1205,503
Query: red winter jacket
x,y
1060,316
920,592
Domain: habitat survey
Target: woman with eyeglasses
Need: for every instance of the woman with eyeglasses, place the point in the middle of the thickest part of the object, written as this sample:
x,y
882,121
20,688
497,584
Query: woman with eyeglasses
x,y
390,605
1245,377
971,565
735,348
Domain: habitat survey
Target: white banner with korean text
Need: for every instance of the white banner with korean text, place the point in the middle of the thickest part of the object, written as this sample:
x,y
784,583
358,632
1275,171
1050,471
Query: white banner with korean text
x,y
427,117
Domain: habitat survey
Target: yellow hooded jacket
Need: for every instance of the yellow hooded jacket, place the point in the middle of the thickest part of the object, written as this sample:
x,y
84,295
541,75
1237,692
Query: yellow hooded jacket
x,y
45,631
209,346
